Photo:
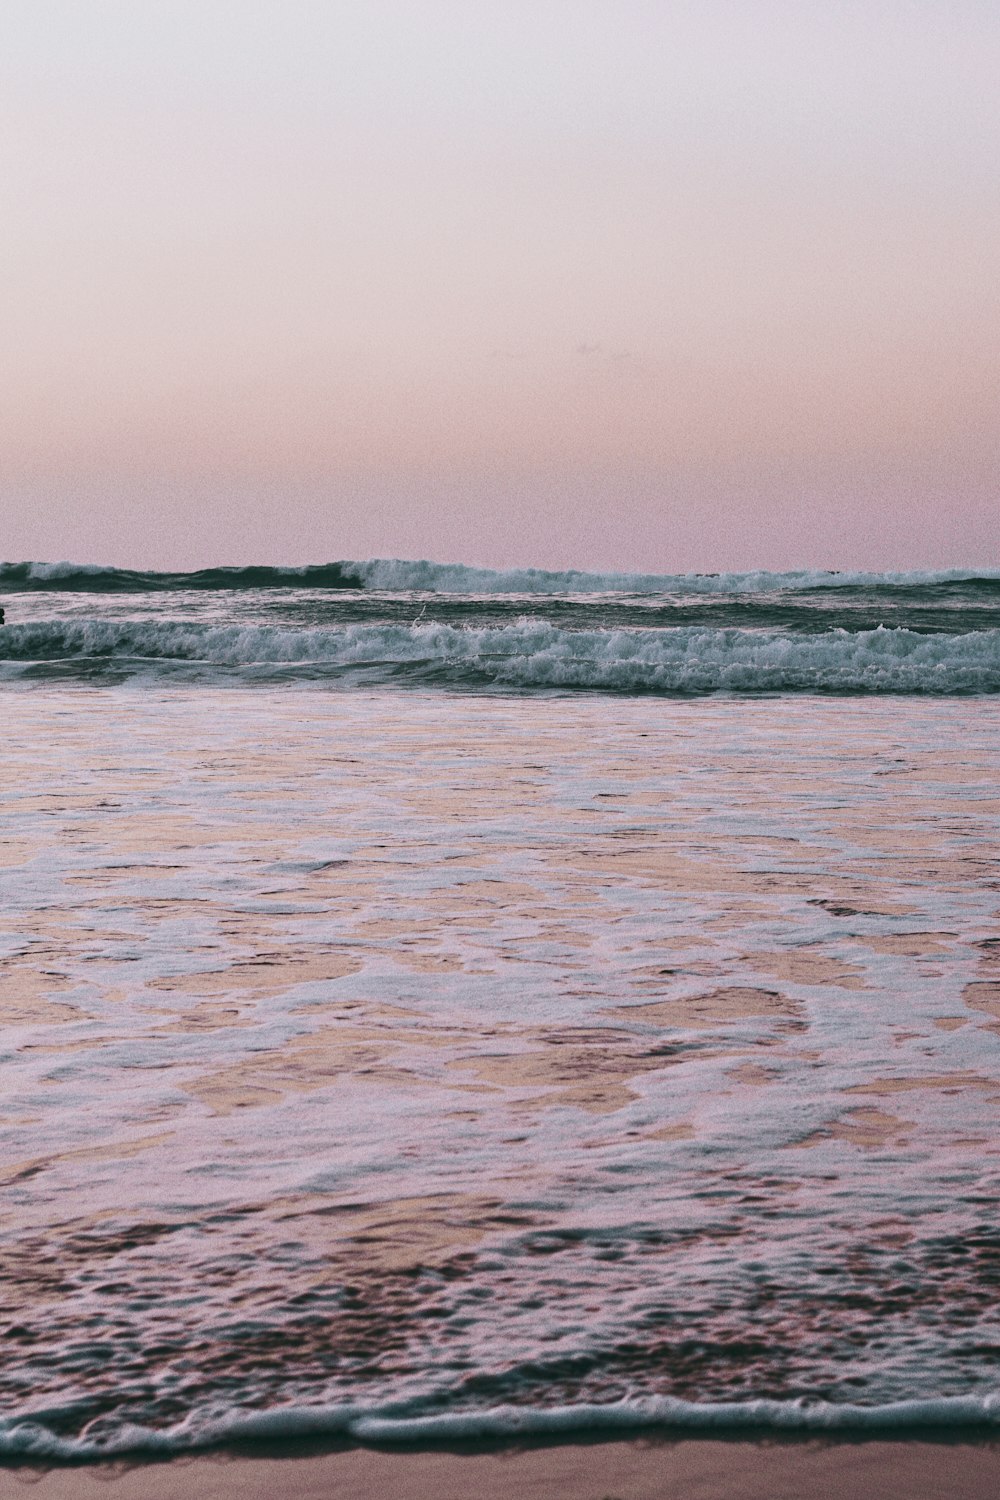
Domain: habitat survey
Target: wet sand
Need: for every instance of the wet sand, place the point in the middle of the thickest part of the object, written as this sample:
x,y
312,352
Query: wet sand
x,y
605,1471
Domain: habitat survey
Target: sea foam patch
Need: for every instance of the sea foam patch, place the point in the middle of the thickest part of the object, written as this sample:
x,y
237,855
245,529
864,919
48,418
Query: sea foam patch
x,y
429,1060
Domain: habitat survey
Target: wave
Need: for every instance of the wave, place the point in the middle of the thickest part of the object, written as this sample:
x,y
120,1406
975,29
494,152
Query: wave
x,y
64,577
528,655
391,575
37,1436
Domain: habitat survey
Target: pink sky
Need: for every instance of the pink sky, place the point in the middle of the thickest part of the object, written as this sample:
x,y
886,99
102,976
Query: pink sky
x,y
588,284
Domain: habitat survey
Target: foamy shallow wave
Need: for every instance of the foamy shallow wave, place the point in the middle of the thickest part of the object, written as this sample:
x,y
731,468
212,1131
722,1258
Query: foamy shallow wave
x,y
532,654
394,575
38,1437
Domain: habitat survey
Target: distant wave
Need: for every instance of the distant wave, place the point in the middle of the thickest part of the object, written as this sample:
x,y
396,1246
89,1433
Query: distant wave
x,y
38,1436
395,576
64,577
390,574
529,655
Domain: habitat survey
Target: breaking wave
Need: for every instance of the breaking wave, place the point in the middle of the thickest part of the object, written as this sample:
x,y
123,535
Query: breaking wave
x,y
398,575
528,655
38,1436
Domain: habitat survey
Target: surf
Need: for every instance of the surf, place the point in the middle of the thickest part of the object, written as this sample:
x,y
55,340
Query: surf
x,y
531,655
396,575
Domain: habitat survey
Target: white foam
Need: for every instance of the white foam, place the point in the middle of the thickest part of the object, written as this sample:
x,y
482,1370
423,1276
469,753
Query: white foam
x,y
536,654
54,570
395,574
166,835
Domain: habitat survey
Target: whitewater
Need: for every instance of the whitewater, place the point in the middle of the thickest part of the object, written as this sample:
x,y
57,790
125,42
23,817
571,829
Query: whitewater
x,y
441,1005
403,575
423,624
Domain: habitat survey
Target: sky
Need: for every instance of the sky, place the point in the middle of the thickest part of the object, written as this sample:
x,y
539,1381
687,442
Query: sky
x,y
588,283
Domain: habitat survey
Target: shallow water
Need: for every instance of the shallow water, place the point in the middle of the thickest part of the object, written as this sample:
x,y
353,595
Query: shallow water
x,y
421,1055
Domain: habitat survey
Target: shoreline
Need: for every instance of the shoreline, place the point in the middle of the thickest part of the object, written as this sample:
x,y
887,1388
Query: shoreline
x,y
628,1469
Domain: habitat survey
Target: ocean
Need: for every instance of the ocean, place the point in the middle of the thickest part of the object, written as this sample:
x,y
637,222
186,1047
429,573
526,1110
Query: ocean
x,y
442,1004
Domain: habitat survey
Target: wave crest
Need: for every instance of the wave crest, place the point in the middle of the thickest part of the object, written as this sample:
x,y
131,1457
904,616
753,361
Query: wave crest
x,y
531,655
395,575
37,1437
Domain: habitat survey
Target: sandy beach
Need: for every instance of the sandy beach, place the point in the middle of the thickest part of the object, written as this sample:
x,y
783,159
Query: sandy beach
x,y
605,1471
